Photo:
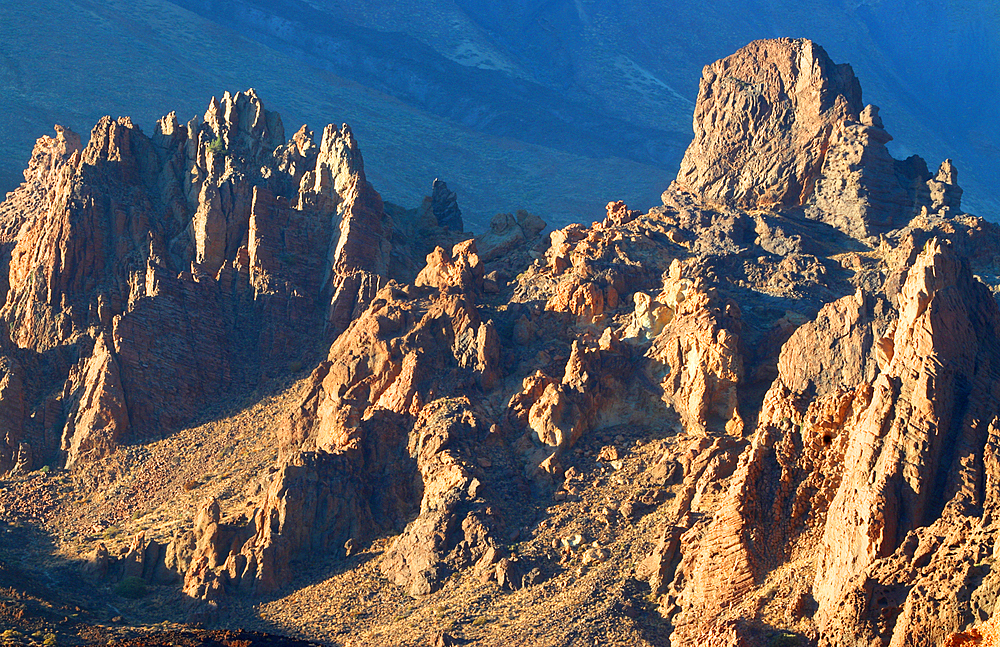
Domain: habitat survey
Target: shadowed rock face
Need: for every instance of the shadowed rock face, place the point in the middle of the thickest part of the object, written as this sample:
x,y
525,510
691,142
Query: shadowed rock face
x,y
445,206
830,397
175,267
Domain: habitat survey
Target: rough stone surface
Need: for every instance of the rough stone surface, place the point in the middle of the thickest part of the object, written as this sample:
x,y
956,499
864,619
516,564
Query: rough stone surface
x,y
444,204
778,125
157,272
741,411
763,123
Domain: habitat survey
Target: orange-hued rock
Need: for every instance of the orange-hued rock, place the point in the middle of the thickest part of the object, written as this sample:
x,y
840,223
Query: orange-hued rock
x,y
785,479
846,462
375,423
460,269
361,256
787,426
98,416
181,265
763,123
778,125
697,353
455,529
986,634
931,407
12,410
399,355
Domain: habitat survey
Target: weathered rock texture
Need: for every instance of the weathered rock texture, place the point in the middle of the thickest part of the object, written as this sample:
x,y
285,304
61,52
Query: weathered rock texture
x,y
378,437
149,275
824,401
444,204
763,123
778,125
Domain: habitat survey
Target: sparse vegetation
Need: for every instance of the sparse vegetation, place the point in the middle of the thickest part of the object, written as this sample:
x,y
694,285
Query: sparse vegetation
x,y
217,146
131,587
784,639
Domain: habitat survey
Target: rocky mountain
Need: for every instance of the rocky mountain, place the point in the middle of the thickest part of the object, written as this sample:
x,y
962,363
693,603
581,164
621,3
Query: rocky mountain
x,y
588,77
561,103
238,382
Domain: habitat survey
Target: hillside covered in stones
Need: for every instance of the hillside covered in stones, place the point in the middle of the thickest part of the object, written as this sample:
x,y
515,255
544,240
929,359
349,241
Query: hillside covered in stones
x,y
765,412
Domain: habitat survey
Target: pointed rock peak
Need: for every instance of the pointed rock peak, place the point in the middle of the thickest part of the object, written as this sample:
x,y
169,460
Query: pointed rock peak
x,y
70,141
947,173
51,153
761,120
241,119
945,193
869,116
303,140
111,139
444,204
213,113
168,125
339,164
340,139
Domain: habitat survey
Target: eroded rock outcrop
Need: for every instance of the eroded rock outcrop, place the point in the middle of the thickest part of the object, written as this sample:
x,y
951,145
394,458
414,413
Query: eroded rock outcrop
x,y
763,122
817,406
444,204
696,351
911,459
170,268
870,464
778,125
455,528
375,435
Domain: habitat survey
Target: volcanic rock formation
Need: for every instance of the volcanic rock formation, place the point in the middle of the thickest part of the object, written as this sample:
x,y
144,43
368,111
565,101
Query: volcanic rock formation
x,y
146,275
807,328
779,125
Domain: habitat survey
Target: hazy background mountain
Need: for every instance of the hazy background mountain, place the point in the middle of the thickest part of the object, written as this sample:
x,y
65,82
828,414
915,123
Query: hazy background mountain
x,y
557,106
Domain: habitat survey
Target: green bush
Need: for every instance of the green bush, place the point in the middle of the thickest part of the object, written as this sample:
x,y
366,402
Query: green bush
x,y
784,639
217,145
131,587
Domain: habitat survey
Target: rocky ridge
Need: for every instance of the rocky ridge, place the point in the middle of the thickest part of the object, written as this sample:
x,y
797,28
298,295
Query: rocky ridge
x,y
802,342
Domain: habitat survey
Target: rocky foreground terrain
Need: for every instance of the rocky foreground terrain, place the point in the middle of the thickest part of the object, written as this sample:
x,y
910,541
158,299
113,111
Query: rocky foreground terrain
x,y
243,397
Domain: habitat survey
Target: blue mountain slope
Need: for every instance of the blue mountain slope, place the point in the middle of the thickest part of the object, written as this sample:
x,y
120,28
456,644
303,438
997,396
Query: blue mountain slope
x,y
557,106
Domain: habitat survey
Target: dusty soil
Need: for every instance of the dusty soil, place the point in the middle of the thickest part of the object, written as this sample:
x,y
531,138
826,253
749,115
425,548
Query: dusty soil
x,y
586,594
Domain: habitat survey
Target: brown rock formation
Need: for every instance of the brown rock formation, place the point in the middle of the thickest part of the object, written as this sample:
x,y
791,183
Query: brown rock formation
x,y
763,121
698,350
779,125
785,425
927,415
461,269
172,268
846,432
455,528
98,417
985,635
375,422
